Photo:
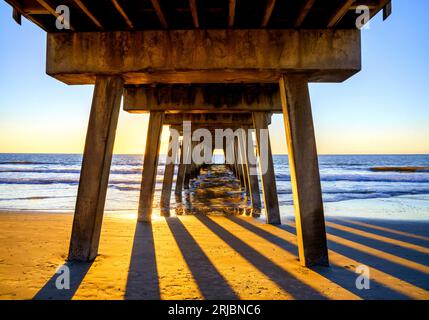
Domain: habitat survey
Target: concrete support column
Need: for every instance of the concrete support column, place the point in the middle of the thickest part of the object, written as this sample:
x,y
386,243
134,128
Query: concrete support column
x,y
243,158
225,162
268,177
94,176
238,169
304,170
252,177
169,173
150,166
188,166
180,173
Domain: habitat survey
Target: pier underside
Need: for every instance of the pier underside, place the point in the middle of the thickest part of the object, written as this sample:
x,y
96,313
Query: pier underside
x,y
253,61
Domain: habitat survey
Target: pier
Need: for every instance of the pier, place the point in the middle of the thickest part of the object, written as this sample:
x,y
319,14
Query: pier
x,y
237,62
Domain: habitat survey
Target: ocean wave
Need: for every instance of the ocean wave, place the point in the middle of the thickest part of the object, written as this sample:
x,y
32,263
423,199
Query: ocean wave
x,y
124,188
38,182
362,178
392,193
30,181
346,196
411,178
33,198
399,178
67,171
400,169
24,162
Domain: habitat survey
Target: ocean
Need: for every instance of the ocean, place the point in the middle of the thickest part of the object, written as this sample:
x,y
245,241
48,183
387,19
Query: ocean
x,y
49,182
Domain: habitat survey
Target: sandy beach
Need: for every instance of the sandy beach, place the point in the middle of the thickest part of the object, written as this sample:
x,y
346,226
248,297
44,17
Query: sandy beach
x,y
209,257
211,251
214,150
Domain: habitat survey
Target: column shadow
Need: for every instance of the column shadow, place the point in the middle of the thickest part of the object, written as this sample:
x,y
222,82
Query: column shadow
x,y
77,271
343,277
394,249
143,279
411,232
281,277
210,282
390,266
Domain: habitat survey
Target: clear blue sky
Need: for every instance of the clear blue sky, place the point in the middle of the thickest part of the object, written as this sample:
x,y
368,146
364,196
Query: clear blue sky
x,y
383,109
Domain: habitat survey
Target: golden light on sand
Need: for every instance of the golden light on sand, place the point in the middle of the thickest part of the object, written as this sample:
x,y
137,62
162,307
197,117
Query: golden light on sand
x,y
191,257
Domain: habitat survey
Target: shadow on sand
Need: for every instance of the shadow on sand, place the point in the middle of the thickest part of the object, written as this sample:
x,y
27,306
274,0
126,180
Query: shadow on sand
x,y
400,251
78,271
210,282
143,280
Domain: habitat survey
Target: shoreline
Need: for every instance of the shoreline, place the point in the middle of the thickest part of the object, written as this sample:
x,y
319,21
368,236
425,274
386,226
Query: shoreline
x,y
410,208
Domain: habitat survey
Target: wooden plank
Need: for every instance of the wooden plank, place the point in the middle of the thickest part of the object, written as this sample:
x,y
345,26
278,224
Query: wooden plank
x,y
89,14
194,11
198,56
150,166
159,13
340,13
308,4
268,12
48,7
304,171
231,13
27,8
123,13
169,174
96,162
268,178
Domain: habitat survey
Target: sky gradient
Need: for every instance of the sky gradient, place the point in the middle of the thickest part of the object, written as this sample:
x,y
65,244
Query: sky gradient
x,y
383,109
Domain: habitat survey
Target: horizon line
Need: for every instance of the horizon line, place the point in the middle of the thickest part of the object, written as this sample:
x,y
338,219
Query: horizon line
x,y
274,154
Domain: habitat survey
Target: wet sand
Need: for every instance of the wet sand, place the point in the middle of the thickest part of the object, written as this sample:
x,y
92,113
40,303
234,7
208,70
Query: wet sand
x,y
213,256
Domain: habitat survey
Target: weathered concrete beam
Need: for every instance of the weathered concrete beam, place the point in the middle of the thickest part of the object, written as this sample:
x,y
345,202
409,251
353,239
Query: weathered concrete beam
x,y
211,119
204,56
214,98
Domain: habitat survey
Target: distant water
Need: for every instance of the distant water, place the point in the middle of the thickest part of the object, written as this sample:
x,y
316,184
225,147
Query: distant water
x,y
49,181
